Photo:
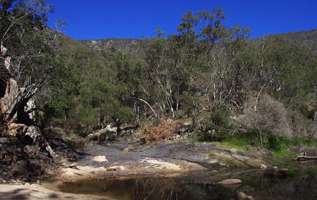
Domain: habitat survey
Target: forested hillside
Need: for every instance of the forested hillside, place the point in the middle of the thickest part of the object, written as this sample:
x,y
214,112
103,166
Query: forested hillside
x,y
210,74
207,95
304,38
204,70
127,45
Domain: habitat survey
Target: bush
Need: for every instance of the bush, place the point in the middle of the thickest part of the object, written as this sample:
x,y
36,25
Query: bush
x,y
268,141
220,117
217,126
166,129
266,115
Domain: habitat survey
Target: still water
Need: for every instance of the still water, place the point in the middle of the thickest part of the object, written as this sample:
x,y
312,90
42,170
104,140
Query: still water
x,y
199,187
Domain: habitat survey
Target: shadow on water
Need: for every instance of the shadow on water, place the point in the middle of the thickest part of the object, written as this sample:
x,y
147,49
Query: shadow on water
x,y
264,187
258,185
149,188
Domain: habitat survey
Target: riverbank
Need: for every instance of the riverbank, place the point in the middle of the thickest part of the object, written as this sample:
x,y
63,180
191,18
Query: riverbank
x,y
161,159
130,165
123,160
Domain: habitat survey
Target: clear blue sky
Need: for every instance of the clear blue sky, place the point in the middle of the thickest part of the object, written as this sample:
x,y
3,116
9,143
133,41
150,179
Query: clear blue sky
x,y
93,19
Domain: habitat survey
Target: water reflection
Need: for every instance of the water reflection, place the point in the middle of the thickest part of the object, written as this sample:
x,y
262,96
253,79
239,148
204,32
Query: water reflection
x,y
258,185
150,188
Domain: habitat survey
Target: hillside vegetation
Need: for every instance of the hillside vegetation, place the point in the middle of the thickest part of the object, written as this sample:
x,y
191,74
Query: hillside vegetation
x,y
304,38
206,82
206,72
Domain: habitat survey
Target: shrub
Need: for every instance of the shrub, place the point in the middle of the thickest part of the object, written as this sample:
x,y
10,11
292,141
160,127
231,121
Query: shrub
x,y
220,117
269,141
217,126
266,115
166,129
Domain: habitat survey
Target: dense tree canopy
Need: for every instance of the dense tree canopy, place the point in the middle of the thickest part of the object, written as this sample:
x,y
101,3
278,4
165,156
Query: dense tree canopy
x,y
203,67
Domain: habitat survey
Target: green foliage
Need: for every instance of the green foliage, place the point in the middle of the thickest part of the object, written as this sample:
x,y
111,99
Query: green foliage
x,y
220,117
91,88
204,68
217,126
23,31
277,144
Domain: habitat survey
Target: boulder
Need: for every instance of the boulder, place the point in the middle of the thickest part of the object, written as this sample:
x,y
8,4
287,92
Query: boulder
x,y
31,150
244,196
229,182
4,140
17,121
19,168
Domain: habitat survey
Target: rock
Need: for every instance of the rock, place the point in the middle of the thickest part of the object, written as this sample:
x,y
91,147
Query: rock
x,y
7,62
228,182
111,169
16,105
244,196
142,141
3,50
31,150
20,168
276,172
184,127
115,168
100,159
4,140
14,129
188,123
212,161
36,167
233,150
73,165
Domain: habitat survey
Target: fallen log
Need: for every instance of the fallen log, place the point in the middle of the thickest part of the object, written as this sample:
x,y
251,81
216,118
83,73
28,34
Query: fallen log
x,y
129,129
98,135
304,158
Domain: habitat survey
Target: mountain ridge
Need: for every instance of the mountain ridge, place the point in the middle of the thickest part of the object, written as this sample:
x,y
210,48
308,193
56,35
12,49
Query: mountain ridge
x,y
307,38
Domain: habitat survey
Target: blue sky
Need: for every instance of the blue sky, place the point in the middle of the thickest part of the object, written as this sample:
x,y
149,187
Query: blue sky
x,y
93,19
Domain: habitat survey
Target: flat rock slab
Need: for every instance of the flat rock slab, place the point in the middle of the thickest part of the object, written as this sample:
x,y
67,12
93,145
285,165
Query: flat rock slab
x,y
37,192
155,159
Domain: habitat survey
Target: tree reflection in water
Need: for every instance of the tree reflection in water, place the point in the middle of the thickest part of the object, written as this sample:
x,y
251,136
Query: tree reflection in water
x,y
259,186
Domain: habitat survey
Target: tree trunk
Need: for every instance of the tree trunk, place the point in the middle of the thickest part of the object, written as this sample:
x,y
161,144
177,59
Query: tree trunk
x,y
16,119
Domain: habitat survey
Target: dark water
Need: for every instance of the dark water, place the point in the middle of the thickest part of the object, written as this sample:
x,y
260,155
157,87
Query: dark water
x,y
197,187
148,188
